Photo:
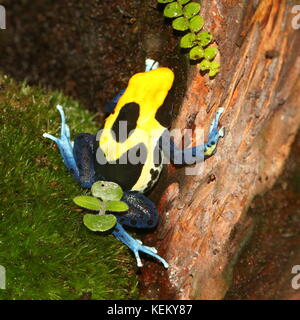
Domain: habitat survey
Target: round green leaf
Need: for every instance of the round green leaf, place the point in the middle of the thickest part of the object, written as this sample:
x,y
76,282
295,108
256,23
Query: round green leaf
x,y
204,38
183,1
188,41
196,23
210,53
214,68
204,65
180,24
99,222
173,10
191,9
88,202
107,191
117,206
164,1
196,53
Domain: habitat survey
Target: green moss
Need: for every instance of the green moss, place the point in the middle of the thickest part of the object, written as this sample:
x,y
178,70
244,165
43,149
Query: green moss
x,y
47,251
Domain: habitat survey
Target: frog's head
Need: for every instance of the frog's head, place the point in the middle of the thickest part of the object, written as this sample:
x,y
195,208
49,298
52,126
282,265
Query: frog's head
x,y
148,90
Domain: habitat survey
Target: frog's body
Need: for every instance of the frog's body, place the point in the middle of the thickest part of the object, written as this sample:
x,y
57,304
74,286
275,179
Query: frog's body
x,y
132,156
138,107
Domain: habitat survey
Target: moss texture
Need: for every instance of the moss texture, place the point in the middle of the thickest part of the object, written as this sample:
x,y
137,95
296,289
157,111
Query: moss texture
x,y
44,246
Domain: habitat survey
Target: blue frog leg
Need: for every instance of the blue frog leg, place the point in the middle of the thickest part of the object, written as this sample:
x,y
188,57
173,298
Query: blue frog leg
x,y
65,145
194,154
136,246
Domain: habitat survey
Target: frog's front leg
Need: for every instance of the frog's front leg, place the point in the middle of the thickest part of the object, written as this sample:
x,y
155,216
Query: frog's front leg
x,y
194,154
65,145
136,246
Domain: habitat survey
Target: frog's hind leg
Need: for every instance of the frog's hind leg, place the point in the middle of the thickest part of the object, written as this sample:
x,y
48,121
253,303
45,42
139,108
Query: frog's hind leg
x,y
142,211
136,246
65,145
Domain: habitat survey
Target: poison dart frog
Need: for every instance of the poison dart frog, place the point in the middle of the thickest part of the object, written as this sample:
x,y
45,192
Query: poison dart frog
x,y
134,129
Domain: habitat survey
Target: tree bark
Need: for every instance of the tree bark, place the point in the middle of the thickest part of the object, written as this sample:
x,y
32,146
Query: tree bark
x,y
202,227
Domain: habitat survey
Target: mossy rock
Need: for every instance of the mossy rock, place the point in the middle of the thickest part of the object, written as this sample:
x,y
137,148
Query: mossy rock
x,y
47,251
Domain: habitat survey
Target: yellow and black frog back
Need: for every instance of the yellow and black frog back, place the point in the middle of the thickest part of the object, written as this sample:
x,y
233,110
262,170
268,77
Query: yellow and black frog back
x,y
127,146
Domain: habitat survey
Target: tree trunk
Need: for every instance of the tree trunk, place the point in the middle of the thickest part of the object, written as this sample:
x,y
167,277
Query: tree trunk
x,y
202,224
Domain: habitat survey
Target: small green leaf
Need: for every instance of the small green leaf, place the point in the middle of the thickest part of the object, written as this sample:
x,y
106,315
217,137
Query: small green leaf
x,y
214,68
188,41
180,24
107,191
173,10
117,206
196,53
88,202
204,65
191,9
196,23
204,38
164,1
210,53
183,1
99,223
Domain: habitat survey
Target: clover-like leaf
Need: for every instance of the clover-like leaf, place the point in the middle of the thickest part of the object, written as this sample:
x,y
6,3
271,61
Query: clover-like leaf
x,y
107,191
173,10
191,9
188,41
99,222
204,65
164,1
196,23
214,68
117,206
183,1
204,38
197,53
210,53
88,202
180,24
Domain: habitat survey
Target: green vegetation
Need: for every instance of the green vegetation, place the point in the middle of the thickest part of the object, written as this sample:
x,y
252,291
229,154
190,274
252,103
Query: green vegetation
x,y
187,19
109,194
45,248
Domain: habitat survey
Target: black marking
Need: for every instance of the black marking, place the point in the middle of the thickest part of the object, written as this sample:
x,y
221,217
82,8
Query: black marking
x,y
154,174
122,171
164,113
130,113
116,229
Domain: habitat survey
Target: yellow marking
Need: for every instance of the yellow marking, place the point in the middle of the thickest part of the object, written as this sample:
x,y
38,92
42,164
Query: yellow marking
x,y
209,150
148,90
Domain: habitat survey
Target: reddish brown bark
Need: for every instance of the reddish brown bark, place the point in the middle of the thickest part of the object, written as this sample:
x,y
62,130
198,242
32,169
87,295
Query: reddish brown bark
x,y
202,225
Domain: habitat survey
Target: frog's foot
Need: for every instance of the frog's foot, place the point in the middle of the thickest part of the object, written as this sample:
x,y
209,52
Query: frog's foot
x,y
214,135
213,130
136,246
64,143
150,64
